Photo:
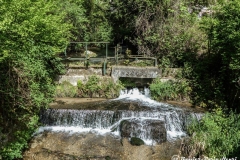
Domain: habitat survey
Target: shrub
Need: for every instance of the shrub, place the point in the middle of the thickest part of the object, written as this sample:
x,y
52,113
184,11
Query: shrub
x,y
170,90
66,89
216,135
104,87
92,86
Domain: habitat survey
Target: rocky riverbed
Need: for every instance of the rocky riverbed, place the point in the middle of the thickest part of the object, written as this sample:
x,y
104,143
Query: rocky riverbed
x,y
131,115
90,146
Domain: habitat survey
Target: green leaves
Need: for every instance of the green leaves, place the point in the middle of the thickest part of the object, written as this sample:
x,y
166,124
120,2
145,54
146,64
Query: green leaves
x,y
219,68
170,90
32,33
219,132
89,19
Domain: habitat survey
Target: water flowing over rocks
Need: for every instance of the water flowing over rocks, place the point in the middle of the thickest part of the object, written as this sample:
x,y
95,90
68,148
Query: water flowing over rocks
x,y
150,129
99,130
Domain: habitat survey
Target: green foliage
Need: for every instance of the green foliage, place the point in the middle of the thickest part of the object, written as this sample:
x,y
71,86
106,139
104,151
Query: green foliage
x,y
218,70
13,150
89,19
92,85
141,63
66,89
170,90
107,158
97,86
127,82
126,62
80,84
216,135
31,35
164,29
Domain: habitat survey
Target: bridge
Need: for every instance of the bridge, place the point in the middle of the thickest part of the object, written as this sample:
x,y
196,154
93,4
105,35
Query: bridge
x,y
117,59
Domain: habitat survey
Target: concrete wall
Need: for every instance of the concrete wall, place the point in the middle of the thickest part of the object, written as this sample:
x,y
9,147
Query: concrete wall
x,y
135,72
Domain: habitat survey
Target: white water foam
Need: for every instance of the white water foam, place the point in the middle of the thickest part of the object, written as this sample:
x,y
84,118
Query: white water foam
x,y
143,97
170,117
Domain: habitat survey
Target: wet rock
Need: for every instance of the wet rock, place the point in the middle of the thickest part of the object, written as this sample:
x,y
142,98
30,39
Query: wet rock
x,y
158,130
91,146
149,129
126,128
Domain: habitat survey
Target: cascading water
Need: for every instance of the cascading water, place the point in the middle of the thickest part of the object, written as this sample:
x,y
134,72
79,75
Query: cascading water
x,y
156,123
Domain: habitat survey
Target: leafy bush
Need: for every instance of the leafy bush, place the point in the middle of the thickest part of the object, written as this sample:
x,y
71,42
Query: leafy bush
x,y
170,90
101,87
93,85
66,89
216,135
14,149
110,88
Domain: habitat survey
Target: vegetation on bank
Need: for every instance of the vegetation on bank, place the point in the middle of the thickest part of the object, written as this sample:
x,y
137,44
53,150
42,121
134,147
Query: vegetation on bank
x,y
215,82
95,86
33,33
216,135
177,90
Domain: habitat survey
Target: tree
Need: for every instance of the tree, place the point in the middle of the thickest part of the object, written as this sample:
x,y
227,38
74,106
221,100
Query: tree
x,y
165,29
89,19
31,35
219,69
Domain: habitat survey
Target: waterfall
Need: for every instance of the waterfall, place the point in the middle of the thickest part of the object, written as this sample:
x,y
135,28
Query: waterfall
x,y
156,124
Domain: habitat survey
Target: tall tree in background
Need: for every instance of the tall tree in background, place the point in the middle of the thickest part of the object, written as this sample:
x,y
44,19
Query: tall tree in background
x,y
165,29
89,19
31,35
219,69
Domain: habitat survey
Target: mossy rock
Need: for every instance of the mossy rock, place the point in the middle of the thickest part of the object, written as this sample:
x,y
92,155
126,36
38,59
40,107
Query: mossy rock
x,y
107,158
136,141
89,54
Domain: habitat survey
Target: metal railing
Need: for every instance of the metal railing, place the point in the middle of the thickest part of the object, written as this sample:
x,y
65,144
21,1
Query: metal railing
x,y
86,58
104,60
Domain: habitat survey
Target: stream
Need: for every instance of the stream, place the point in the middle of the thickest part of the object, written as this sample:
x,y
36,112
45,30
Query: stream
x,y
132,114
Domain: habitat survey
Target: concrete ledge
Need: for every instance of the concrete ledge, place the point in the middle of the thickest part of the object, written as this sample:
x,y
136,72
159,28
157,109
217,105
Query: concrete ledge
x,y
135,72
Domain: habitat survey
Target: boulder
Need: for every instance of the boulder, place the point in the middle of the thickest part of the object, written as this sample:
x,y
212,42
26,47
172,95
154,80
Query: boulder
x,y
149,129
158,130
126,128
89,54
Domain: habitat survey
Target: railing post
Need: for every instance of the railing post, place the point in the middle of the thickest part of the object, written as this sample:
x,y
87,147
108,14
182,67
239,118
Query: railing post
x,y
116,54
106,50
117,57
86,55
104,67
